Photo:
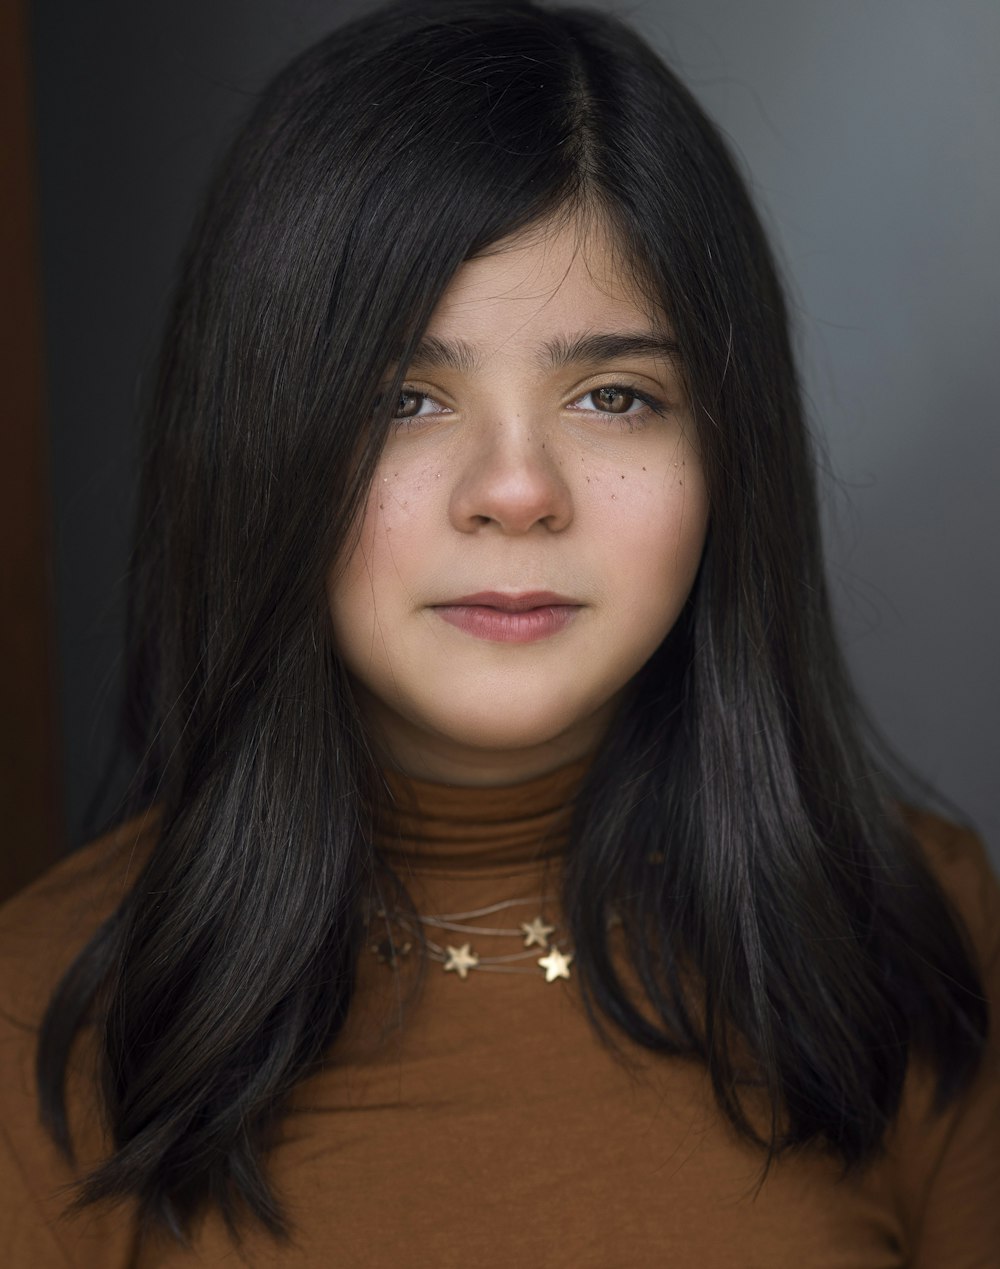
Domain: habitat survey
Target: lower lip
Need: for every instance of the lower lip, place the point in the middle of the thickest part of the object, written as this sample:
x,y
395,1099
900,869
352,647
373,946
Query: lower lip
x,y
509,627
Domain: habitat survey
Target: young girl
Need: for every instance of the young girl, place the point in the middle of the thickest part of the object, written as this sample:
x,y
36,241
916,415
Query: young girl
x,y
509,875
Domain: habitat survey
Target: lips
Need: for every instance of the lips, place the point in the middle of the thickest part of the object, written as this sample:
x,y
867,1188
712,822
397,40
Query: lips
x,y
510,602
528,617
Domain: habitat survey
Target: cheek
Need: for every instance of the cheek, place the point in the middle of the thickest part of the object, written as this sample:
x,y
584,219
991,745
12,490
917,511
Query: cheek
x,y
654,533
684,522
381,558
350,584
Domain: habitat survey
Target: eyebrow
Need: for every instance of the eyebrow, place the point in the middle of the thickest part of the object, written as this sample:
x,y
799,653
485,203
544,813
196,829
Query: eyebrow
x,y
458,354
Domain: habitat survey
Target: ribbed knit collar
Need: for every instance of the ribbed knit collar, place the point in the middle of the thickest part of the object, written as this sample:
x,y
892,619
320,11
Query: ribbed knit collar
x,y
446,827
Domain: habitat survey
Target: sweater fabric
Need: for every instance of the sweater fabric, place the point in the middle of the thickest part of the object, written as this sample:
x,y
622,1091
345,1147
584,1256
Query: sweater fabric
x,y
479,1121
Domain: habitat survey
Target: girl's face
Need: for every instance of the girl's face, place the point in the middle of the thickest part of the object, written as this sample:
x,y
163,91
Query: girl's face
x,y
543,445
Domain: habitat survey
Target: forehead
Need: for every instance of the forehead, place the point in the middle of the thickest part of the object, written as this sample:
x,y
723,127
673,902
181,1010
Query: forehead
x,y
542,287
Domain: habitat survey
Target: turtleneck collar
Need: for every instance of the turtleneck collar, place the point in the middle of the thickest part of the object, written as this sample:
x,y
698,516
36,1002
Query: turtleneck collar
x,y
444,828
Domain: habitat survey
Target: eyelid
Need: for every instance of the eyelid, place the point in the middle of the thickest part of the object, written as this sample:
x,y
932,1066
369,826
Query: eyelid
x,y
409,389
657,403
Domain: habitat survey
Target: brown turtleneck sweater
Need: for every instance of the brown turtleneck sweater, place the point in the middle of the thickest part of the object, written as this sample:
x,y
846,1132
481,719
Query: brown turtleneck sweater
x,y
491,1128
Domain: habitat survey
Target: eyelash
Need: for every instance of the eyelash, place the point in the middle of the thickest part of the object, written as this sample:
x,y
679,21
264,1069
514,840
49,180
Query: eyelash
x,y
626,421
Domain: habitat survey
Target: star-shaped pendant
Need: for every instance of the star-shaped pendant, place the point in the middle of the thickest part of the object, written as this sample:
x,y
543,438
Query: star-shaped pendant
x,y
556,964
536,932
461,959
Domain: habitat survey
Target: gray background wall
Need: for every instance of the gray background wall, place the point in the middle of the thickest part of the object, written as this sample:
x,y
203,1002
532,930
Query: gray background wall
x,y
870,129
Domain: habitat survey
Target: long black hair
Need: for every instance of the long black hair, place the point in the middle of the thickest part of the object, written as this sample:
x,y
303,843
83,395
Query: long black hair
x,y
735,808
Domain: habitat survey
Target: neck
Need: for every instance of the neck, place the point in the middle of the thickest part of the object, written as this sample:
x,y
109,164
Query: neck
x,y
437,826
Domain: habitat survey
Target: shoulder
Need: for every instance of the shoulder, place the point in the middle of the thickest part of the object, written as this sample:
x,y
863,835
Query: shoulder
x,y
44,925
946,1162
962,866
42,929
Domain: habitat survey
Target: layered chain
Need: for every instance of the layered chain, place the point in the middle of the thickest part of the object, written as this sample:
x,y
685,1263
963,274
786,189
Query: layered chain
x,y
536,933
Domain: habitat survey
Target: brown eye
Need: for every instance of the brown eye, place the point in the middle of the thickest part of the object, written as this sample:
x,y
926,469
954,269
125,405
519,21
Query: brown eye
x,y
612,399
404,411
630,406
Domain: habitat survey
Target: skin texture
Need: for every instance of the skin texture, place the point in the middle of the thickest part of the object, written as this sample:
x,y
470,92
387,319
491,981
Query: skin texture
x,y
513,476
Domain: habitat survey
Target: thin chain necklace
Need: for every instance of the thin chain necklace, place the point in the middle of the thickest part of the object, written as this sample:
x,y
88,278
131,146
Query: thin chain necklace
x,y
536,933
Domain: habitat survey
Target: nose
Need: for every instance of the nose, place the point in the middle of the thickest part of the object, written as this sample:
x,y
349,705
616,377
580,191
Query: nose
x,y
512,479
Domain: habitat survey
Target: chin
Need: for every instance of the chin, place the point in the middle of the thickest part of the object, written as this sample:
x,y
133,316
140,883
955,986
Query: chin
x,y
479,730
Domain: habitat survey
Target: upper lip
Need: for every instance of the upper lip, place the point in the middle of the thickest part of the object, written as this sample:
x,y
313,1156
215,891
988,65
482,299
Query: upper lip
x,y
510,603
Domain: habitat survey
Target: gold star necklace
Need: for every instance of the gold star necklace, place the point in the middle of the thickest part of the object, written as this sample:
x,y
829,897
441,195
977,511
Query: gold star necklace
x,y
535,933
